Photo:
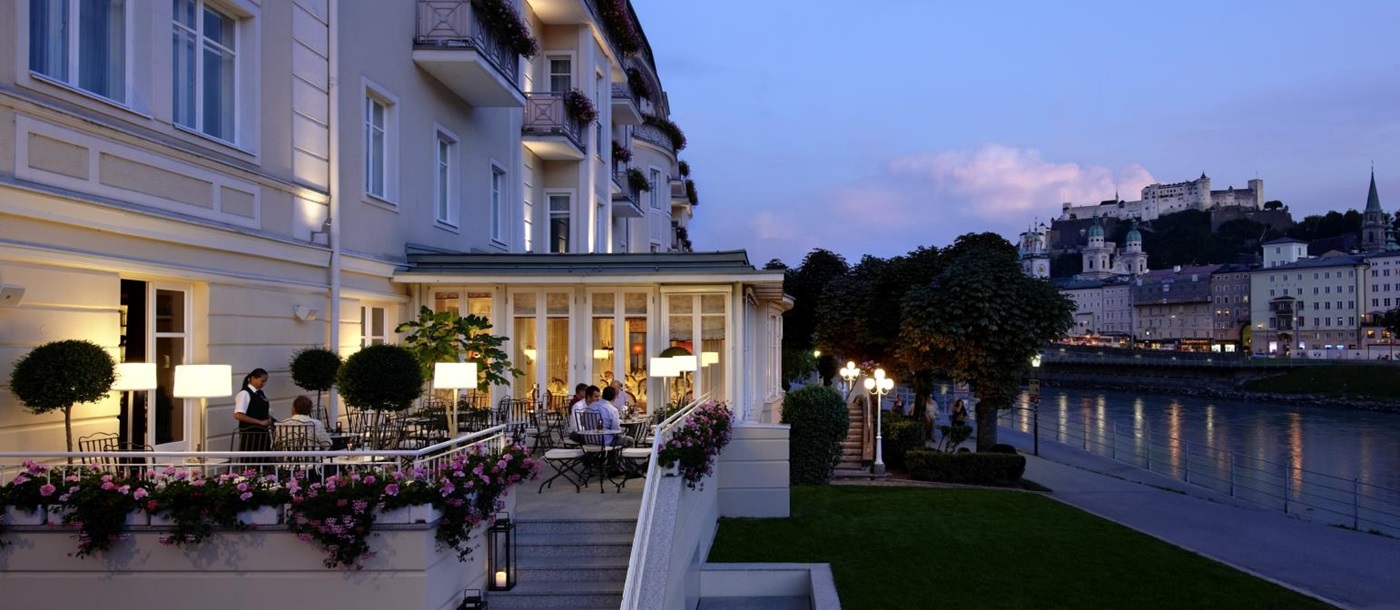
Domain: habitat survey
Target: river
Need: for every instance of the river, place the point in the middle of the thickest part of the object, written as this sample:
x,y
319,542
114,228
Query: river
x,y
1331,464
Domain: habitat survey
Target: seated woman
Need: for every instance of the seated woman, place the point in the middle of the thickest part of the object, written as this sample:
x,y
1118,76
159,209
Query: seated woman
x,y
301,416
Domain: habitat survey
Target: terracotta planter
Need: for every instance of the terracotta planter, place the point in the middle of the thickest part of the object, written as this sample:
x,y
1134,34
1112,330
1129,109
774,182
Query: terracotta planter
x,y
417,513
263,515
15,515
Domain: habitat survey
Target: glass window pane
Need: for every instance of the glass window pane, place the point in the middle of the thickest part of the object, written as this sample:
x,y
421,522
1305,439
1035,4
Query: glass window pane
x,y
712,303
378,326
479,304
681,332
169,410
523,353
681,303
557,338
447,301
603,354
218,93
170,311
604,303
184,12
182,76
102,48
524,303
219,28
48,38
557,303
637,362
635,303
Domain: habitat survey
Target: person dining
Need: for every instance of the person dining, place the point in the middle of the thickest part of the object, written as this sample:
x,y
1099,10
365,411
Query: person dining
x,y
301,416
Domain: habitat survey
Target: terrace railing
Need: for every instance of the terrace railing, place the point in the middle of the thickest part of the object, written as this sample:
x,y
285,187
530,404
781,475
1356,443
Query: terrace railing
x,y
546,115
646,515
653,135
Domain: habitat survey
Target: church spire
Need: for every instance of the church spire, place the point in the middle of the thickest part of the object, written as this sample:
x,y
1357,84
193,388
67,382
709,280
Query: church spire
x,y
1373,200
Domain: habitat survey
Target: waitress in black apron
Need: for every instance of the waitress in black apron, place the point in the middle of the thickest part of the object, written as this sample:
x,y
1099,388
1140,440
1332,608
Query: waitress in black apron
x,y
254,413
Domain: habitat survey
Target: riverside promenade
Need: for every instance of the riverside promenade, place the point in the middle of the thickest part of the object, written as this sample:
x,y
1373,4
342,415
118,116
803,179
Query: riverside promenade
x,y
1342,567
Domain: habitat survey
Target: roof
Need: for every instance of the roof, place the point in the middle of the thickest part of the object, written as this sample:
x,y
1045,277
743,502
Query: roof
x,y
1338,260
1373,200
1162,274
1073,284
642,267
1284,240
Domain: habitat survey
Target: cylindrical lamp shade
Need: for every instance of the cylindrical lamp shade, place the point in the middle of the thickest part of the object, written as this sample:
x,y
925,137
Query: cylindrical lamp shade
x,y
708,358
136,376
685,364
454,375
663,367
203,380
602,354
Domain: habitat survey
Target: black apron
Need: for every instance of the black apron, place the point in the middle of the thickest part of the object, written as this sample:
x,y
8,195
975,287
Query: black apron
x,y
252,437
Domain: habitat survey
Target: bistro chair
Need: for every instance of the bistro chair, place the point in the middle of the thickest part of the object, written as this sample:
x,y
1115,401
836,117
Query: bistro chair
x,y
600,452
567,462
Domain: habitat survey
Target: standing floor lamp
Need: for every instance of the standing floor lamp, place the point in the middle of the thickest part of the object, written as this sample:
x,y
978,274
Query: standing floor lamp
x,y
134,377
453,376
203,381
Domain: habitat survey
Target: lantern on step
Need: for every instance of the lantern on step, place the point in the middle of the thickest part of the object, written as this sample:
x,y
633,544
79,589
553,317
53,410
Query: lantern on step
x,y
500,553
472,600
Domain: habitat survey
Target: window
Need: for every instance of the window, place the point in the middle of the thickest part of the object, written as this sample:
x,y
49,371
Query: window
x,y
81,44
498,204
561,73
655,192
372,326
381,144
204,69
559,223
446,210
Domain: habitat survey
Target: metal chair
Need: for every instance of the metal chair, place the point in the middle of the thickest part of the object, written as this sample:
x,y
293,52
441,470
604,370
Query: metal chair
x,y
600,452
568,463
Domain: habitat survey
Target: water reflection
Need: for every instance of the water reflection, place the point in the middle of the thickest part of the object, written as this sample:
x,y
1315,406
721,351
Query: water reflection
x,y
1295,450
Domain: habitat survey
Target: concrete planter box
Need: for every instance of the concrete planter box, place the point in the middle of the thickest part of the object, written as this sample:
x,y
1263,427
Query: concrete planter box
x,y
56,513
417,513
263,515
15,515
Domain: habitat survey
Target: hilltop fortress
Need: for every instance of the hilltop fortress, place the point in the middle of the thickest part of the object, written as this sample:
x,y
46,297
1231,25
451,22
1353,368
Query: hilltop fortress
x,y
1162,199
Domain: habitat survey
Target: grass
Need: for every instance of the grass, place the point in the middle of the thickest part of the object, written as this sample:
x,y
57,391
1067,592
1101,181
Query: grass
x,y
971,548
1372,382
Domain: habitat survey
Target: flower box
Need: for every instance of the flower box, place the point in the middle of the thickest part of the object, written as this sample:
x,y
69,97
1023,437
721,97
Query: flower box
x,y
162,520
15,515
262,515
137,517
416,513
55,513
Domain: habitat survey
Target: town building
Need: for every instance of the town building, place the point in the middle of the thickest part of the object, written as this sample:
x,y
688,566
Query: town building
x,y
1382,295
1173,308
1375,227
1035,253
1304,307
1229,289
1103,311
1102,260
1163,199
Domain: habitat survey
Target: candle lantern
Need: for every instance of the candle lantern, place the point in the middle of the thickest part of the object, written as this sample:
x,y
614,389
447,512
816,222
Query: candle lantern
x,y
500,556
472,600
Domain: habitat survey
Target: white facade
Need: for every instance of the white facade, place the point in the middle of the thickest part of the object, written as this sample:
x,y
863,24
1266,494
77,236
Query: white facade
x,y
1163,199
185,219
1312,304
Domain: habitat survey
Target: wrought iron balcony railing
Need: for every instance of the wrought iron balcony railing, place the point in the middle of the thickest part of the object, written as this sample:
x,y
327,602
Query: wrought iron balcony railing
x,y
457,24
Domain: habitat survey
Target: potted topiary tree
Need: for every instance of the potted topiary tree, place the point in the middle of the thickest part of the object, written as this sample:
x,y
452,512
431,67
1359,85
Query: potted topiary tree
x,y
446,336
58,375
380,377
314,370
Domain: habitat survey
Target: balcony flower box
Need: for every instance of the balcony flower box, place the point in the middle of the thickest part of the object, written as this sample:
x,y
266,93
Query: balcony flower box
x,y
262,515
15,515
56,512
407,515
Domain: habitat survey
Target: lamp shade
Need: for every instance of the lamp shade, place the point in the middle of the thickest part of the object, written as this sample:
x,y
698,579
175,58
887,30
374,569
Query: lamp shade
x,y
663,367
708,358
454,375
602,354
203,380
135,376
685,364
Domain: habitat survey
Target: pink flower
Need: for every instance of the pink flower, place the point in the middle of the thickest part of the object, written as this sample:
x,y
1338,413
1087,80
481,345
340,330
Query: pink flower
x,y
46,489
245,496
391,489
109,486
124,489
140,493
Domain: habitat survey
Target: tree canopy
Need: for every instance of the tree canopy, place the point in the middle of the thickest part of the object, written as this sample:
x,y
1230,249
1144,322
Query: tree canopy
x,y
980,320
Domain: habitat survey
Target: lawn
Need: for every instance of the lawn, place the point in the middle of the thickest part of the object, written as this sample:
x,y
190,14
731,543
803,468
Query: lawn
x,y
1374,381
967,548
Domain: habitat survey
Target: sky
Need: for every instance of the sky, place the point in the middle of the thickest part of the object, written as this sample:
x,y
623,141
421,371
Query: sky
x,y
877,126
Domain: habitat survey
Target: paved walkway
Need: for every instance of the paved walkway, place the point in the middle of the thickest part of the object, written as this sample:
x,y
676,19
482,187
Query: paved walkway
x,y
1342,567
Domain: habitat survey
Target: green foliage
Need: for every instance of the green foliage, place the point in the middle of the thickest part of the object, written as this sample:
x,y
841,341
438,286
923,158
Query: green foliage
x,y
314,368
1345,381
950,437
1273,204
690,193
580,108
1003,448
981,320
1330,224
55,376
827,367
1067,264
638,84
819,423
805,284
797,363
382,377
502,17
445,336
671,130
637,180
1389,320
974,468
684,168
900,435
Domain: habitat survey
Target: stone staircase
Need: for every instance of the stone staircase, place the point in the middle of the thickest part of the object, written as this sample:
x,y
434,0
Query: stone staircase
x,y
851,458
569,564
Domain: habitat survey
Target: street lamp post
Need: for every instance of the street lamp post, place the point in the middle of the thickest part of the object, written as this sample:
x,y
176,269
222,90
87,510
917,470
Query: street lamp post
x,y
1035,402
850,373
879,385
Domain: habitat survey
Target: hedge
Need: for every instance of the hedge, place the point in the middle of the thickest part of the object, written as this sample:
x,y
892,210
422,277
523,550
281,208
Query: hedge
x,y
819,421
900,435
974,468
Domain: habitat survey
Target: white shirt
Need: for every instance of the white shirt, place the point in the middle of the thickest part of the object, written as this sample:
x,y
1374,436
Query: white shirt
x,y
241,400
570,423
318,430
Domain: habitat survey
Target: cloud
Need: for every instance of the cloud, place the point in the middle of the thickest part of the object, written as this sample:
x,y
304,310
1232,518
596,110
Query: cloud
x,y
911,201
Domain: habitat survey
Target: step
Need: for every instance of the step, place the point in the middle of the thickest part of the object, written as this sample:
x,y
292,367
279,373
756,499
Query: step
x,y
755,603
571,595
574,545
590,569
570,526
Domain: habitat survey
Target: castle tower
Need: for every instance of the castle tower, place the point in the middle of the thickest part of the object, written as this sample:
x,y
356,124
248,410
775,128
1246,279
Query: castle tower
x,y
1373,222
1096,254
1035,254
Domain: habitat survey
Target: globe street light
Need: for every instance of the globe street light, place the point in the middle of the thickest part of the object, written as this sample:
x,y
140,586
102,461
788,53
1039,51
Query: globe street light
x,y
1035,400
879,385
850,373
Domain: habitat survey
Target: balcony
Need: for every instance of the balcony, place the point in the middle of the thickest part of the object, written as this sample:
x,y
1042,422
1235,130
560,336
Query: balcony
x,y
627,203
626,108
654,136
549,131
457,47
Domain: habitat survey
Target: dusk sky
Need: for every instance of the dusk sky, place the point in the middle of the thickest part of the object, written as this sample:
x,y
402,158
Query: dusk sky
x,y
876,126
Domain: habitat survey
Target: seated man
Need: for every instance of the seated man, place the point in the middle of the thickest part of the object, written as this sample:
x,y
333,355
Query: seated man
x,y
301,416
577,404
611,420
590,396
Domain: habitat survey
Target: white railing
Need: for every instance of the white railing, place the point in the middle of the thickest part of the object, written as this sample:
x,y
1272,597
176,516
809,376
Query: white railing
x,y
429,459
641,538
